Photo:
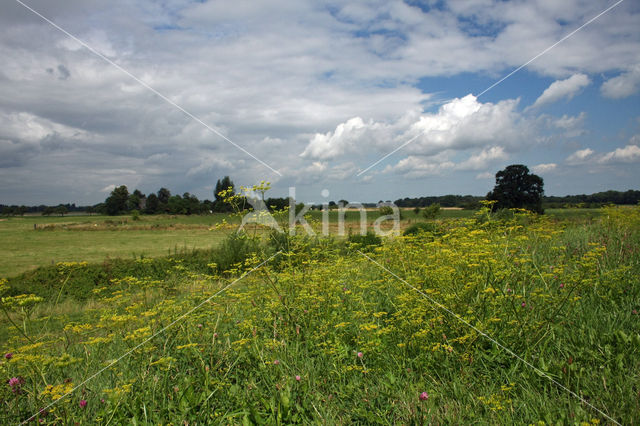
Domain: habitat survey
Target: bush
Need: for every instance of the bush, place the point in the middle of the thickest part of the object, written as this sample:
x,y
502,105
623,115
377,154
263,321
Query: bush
x,y
422,227
367,240
234,249
504,214
432,211
385,210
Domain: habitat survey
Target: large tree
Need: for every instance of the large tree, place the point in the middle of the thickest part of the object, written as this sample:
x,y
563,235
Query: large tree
x,y
221,185
517,188
152,204
163,200
117,201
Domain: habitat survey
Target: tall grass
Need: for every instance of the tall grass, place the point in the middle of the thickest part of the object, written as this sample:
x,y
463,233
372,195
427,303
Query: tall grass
x,y
324,334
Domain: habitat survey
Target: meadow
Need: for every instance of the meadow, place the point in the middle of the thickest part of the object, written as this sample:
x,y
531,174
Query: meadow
x,y
517,319
32,241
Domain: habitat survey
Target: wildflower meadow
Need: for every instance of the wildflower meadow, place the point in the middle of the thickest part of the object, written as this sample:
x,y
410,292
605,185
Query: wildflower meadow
x,y
517,319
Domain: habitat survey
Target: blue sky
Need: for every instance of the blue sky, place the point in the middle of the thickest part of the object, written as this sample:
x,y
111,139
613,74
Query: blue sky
x,y
318,91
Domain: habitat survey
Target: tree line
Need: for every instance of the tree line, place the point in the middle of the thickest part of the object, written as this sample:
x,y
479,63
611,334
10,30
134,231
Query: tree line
x,y
120,201
515,179
472,202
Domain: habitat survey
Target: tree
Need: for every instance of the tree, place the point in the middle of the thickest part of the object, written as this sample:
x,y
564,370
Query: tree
x,y
61,210
221,185
116,203
163,200
135,200
152,205
517,188
191,203
432,211
163,195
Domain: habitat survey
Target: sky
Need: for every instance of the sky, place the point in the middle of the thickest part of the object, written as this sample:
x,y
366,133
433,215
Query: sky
x,y
370,100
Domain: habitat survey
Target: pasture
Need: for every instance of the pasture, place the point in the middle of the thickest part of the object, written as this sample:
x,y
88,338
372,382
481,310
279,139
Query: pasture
x,y
483,319
32,241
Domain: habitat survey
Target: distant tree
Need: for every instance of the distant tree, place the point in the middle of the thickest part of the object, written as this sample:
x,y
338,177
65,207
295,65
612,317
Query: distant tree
x,y
431,211
90,210
206,206
176,205
152,205
517,188
416,210
163,195
22,210
48,211
385,210
163,200
221,185
277,204
191,203
116,203
100,208
134,202
61,210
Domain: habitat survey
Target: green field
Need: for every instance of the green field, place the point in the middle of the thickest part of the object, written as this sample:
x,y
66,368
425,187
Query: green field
x,y
96,238
487,319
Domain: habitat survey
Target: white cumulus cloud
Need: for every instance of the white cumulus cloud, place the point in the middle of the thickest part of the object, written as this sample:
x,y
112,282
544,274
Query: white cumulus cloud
x,y
579,156
628,154
461,124
483,159
560,89
626,84
544,168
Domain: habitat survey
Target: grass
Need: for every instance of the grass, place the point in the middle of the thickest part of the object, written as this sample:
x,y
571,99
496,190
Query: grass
x,y
96,238
322,334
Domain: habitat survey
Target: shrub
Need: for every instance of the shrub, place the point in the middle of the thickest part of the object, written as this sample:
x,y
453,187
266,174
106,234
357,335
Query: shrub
x,y
385,210
367,240
234,249
421,227
504,214
432,211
